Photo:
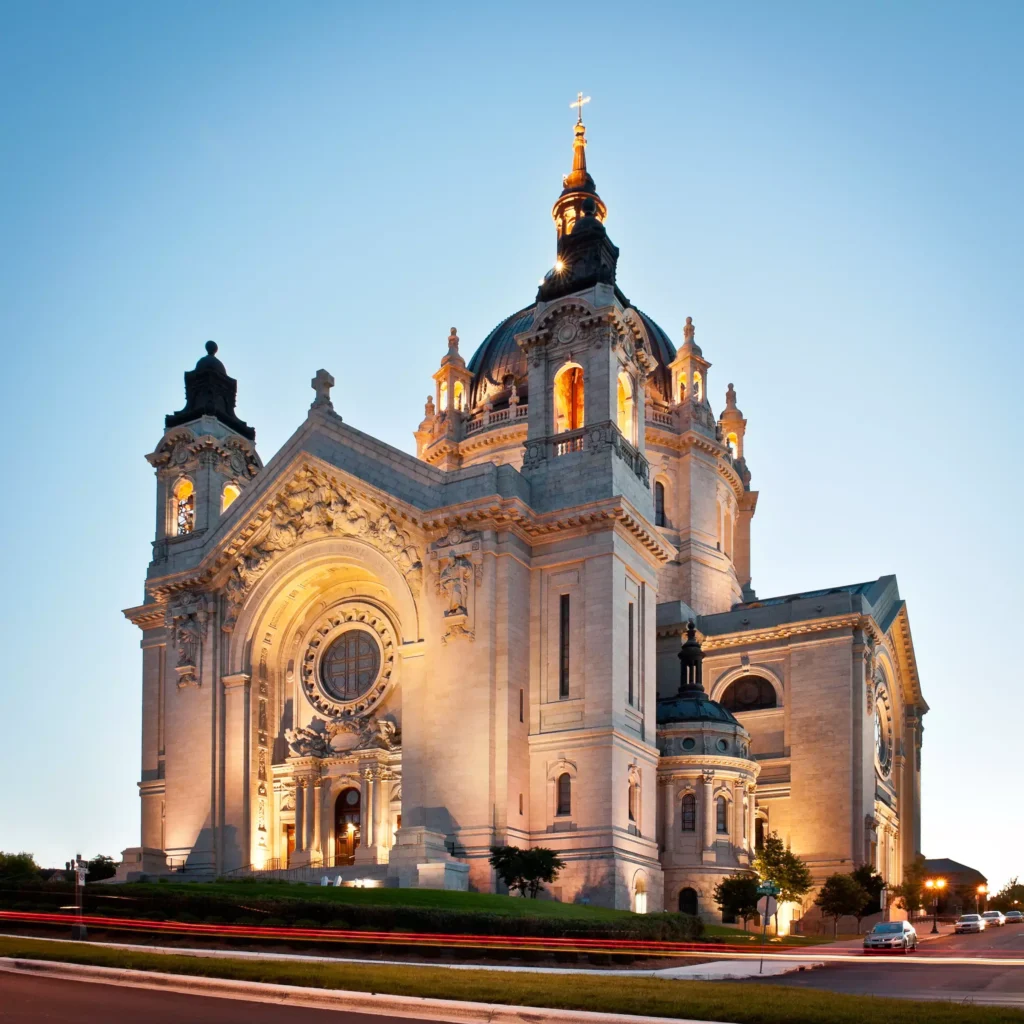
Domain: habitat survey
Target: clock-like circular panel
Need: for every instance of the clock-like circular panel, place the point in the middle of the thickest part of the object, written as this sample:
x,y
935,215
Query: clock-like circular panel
x,y
350,665
883,732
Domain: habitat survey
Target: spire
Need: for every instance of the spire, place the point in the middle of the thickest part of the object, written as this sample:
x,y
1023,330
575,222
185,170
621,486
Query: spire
x,y
691,658
209,391
577,185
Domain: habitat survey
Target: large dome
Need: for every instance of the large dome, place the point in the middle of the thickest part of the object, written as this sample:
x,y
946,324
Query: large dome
x,y
499,357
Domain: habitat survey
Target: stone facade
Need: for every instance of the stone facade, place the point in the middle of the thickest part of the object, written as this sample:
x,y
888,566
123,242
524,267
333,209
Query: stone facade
x,y
382,665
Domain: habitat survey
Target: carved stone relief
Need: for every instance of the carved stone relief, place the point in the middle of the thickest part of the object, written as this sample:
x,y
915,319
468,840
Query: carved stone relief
x,y
456,561
187,618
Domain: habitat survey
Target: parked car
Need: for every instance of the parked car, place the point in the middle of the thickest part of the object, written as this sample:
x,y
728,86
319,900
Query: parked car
x,y
1014,917
969,923
995,917
889,935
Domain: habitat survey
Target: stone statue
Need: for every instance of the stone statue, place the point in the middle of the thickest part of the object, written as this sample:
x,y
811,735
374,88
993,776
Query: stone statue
x,y
454,583
313,741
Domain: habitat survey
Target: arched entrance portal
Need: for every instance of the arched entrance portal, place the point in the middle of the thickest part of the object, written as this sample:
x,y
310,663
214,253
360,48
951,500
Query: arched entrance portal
x,y
688,902
346,826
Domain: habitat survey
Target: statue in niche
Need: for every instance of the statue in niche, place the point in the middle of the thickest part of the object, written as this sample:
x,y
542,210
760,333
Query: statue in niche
x,y
454,582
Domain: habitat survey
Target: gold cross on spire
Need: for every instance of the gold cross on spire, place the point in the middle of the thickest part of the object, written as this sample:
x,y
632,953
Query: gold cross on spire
x,y
578,104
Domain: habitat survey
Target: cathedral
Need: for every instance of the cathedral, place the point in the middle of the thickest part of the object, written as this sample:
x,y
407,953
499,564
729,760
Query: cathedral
x,y
540,630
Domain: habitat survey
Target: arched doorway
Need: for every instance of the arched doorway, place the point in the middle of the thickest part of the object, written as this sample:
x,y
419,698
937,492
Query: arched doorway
x,y
688,901
346,826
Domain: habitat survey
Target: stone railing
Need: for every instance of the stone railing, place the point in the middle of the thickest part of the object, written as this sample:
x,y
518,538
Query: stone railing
x,y
495,417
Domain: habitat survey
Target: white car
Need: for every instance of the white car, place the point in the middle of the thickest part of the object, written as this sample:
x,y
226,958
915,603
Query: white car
x,y
994,917
969,923
891,935
1014,917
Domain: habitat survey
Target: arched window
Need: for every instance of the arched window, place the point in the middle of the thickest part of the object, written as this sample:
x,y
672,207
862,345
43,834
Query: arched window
x,y
689,815
659,504
184,507
728,534
626,420
640,895
347,822
564,794
722,816
734,444
228,496
749,693
460,396
568,398
698,386
688,902
442,398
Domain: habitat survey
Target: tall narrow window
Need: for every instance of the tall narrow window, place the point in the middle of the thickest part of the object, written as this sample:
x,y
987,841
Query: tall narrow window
x,y
659,504
228,496
722,815
632,696
563,648
564,794
460,396
443,397
689,815
521,701
625,410
698,386
632,801
759,833
520,803
184,508
569,398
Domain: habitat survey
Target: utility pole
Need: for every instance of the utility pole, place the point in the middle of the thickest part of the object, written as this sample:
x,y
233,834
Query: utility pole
x,y
81,869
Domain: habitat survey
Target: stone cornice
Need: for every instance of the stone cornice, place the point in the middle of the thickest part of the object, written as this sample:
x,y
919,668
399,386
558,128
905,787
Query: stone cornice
x,y
783,631
146,616
677,762
657,434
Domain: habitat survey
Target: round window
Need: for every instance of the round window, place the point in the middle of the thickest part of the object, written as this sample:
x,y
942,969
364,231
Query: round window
x,y
723,745
351,665
883,734
689,743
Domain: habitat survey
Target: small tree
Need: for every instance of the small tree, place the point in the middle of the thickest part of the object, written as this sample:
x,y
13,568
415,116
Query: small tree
x,y
540,865
101,867
18,867
776,862
873,884
1010,897
909,896
507,861
841,896
737,895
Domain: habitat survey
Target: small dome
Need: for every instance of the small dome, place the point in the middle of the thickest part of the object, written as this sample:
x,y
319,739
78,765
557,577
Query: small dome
x,y
499,356
693,707
210,360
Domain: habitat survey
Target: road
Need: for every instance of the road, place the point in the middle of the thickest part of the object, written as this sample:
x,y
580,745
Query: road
x,y
888,976
27,999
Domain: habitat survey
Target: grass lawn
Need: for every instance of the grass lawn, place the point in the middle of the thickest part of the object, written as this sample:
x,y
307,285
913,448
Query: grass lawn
x,y
712,1001
507,906
738,936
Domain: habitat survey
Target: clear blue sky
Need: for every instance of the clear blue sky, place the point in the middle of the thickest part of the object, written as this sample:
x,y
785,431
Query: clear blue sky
x,y
832,192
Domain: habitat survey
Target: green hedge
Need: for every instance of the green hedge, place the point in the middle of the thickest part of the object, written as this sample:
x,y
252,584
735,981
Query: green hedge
x,y
293,911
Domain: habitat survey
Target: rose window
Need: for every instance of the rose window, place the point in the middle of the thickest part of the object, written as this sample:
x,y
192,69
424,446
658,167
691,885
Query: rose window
x,y
351,665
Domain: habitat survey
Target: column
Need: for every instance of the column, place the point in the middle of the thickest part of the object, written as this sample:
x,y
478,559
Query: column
x,y
751,816
738,812
709,813
370,832
316,850
300,815
384,803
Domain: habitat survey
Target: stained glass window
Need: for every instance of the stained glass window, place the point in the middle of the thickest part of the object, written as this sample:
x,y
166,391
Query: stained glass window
x,y
351,665
184,508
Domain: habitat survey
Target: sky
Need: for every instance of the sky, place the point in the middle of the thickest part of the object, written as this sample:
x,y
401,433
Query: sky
x,y
831,191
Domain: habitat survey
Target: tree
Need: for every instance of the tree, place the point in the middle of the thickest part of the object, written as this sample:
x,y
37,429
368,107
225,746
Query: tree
x,y
776,862
525,871
18,867
909,895
1010,897
101,867
736,895
841,896
873,884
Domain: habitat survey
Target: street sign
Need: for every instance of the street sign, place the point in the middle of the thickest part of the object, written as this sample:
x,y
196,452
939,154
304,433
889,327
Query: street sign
x,y
766,906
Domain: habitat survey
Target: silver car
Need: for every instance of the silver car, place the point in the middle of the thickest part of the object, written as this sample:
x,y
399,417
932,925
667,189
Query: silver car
x,y
891,935
969,923
1014,917
994,917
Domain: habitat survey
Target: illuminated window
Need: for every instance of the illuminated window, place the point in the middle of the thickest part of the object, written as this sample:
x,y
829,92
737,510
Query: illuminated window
x,y
228,496
689,813
734,445
558,226
184,508
460,396
698,386
568,398
442,401
640,897
722,816
659,504
564,794
625,408
570,219
682,390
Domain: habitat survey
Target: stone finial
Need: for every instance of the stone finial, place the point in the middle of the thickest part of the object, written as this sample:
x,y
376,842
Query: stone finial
x,y
428,409
513,397
322,384
730,397
453,341
688,331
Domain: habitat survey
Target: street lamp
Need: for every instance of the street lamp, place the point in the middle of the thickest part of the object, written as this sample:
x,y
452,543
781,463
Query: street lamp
x,y
979,896
935,886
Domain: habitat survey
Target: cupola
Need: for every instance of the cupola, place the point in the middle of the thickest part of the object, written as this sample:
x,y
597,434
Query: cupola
x,y
209,391
732,424
690,370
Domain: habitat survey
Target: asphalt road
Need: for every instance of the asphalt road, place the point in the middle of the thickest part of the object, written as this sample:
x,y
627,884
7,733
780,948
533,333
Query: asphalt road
x,y
889,976
27,1000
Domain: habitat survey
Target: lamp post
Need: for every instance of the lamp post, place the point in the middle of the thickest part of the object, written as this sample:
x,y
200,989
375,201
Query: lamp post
x,y
979,897
935,887
80,869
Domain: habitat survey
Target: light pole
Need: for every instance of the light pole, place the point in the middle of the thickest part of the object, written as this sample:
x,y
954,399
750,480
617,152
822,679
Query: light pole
x,y
979,898
935,886
81,869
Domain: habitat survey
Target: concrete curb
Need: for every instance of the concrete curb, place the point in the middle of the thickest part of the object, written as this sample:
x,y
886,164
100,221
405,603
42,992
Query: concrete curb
x,y
324,999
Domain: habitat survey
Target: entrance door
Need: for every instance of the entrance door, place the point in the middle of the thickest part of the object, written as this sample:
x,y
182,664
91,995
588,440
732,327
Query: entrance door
x,y
347,822
289,849
688,902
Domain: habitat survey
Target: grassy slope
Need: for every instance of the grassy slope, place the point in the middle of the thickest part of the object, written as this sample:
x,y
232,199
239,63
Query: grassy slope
x,y
724,1001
